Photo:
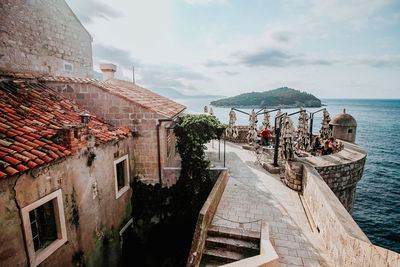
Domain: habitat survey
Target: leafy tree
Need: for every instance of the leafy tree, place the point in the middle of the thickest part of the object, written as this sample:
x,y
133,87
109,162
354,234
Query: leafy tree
x,y
194,184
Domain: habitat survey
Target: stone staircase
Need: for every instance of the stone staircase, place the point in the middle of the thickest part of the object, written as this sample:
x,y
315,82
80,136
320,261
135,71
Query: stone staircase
x,y
225,245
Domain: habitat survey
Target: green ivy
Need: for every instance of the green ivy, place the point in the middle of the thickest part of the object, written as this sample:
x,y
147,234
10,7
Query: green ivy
x,y
192,133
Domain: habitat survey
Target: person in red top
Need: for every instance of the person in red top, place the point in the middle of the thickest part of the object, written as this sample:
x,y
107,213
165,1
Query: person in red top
x,y
265,135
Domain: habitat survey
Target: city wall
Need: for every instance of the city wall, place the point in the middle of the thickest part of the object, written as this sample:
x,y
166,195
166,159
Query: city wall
x,y
345,241
341,171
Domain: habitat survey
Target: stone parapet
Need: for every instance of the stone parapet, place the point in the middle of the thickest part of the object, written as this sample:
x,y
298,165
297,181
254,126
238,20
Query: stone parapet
x,y
341,171
346,243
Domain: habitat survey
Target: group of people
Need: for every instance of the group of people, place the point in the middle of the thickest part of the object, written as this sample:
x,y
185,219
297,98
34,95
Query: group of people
x,y
322,147
326,147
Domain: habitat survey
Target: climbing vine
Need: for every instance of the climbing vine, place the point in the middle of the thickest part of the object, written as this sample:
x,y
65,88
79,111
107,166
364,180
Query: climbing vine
x,y
192,133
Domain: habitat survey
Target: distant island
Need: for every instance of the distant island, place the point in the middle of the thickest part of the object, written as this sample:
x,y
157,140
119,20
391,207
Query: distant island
x,y
283,97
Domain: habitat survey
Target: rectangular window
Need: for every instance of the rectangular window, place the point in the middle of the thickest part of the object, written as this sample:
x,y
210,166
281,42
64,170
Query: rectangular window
x,y
44,227
121,173
68,67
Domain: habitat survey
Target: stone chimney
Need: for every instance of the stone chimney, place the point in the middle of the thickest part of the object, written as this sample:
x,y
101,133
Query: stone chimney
x,y
108,71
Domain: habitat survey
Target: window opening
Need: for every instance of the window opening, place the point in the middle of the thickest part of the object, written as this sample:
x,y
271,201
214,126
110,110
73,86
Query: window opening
x,y
121,174
43,225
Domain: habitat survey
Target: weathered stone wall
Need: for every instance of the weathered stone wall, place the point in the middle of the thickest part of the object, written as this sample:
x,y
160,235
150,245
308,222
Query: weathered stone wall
x,y
205,218
40,35
342,180
346,243
341,171
242,135
120,112
93,215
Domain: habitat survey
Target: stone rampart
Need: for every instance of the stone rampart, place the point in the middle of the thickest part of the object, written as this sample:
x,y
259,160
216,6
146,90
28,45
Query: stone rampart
x,y
346,243
341,171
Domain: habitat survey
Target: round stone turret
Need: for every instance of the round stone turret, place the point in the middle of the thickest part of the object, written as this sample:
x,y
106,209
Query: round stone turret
x,y
344,127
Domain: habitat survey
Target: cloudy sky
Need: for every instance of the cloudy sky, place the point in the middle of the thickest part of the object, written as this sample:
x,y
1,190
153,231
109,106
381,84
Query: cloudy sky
x,y
331,48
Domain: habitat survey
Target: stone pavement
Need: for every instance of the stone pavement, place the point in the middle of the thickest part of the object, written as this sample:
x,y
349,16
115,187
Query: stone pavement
x,y
253,194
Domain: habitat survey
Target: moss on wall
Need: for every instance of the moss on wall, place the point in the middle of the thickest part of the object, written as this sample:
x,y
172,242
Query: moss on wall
x,y
107,249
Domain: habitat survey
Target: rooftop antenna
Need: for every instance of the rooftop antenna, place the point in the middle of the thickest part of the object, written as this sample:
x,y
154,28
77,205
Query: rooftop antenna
x,y
133,74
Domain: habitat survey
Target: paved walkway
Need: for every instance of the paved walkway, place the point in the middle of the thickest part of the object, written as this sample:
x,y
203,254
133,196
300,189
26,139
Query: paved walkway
x,y
253,194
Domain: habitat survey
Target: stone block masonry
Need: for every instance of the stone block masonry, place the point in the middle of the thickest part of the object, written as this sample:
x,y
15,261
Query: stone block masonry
x,y
341,172
120,112
342,179
47,40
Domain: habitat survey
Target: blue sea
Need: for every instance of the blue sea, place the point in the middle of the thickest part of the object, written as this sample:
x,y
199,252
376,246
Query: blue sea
x,y
377,203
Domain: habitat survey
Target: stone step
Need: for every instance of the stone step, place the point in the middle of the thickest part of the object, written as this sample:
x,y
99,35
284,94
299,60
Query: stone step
x,y
233,233
247,248
221,256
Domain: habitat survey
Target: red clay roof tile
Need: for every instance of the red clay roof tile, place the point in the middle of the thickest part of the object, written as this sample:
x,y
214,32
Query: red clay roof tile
x,y
4,143
20,139
21,157
47,159
11,171
17,148
23,146
39,161
130,92
22,168
38,153
10,151
30,120
31,164
26,153
11,160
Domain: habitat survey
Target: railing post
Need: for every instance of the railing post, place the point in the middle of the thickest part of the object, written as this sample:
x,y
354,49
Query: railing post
x,y
311,126
277,136
224,148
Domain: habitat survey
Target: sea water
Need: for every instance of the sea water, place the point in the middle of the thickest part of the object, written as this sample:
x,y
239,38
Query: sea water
x,y
377,203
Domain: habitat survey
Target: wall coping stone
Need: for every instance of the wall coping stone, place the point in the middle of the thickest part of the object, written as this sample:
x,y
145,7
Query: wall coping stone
x,y
351,153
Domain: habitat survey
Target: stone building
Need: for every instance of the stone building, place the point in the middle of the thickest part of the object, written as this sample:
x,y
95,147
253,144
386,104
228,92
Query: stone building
x,y
51,43
121,103
64,180
44,37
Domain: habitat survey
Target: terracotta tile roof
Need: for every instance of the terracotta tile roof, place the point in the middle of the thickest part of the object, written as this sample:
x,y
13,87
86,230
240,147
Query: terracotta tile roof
x,y
133,93
31,116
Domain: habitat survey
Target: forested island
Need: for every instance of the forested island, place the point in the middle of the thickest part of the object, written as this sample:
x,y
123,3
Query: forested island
x,y
283,97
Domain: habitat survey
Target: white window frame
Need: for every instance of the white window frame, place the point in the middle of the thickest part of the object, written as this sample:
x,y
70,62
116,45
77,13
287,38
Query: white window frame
x,y
36,257
119,193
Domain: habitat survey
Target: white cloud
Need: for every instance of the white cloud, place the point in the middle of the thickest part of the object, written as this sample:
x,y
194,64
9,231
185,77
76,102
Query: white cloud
x,y
355,12
205,2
